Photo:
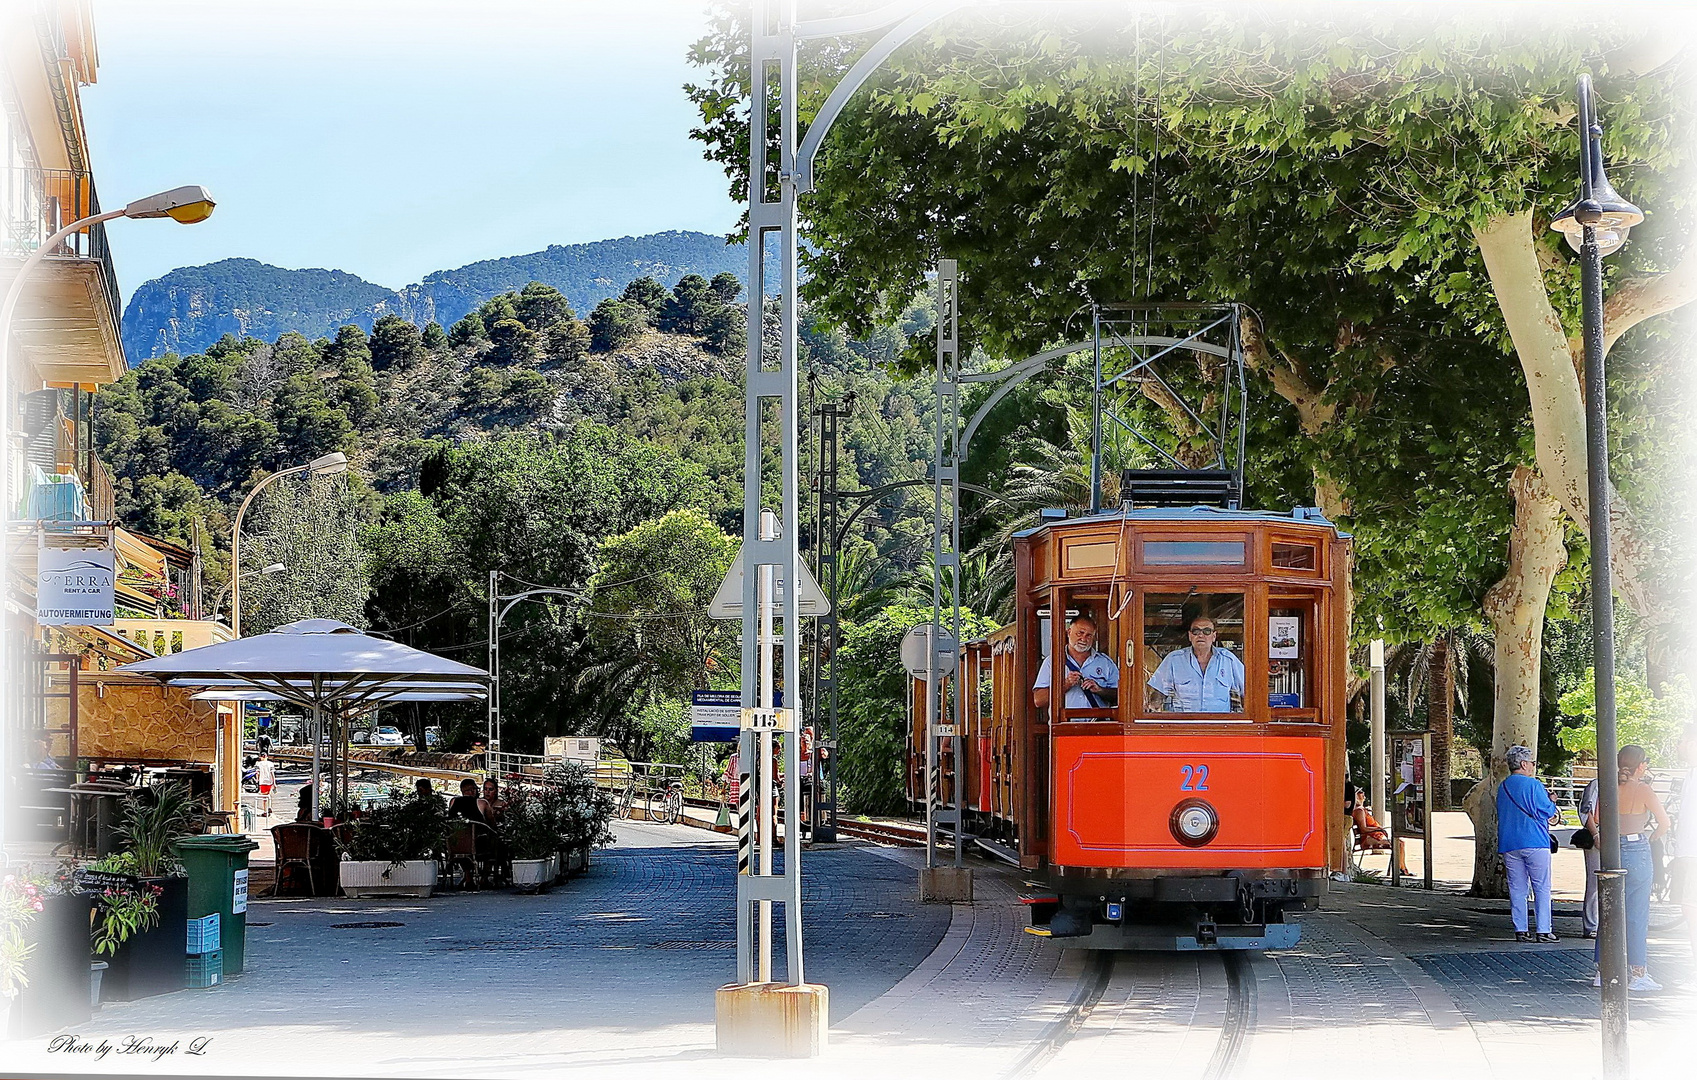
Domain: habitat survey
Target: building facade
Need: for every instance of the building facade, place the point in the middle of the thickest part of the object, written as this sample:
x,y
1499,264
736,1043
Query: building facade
x,y
63,699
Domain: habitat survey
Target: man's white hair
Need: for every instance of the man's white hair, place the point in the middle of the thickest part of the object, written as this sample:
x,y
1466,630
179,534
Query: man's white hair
x,y
1518,756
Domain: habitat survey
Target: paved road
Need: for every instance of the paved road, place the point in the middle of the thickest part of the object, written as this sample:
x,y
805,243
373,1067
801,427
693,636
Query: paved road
x,y
612,975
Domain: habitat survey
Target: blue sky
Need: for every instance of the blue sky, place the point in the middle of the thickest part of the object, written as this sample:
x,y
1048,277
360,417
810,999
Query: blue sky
x,y
390,138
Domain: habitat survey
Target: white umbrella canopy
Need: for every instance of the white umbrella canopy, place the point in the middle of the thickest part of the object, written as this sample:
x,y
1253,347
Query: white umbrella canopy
x,y
317,664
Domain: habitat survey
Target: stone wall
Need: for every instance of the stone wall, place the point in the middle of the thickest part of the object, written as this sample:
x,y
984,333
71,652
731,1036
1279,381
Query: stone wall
x,y
145,722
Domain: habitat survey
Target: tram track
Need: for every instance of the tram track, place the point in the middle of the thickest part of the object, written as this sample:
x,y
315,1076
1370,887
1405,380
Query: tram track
x,y
1236,1027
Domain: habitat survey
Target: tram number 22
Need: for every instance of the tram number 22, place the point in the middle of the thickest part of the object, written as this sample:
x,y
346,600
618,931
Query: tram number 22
x,y
1195,778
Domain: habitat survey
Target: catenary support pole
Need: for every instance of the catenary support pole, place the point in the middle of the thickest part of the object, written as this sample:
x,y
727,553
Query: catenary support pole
x,y
1377,764
768,699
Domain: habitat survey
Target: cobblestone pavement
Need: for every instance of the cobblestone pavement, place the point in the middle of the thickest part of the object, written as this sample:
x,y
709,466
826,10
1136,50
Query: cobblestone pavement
x,y
612,975
627,955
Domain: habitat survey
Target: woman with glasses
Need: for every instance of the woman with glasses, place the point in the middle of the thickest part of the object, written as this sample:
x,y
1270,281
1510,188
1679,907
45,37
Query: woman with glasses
x,y
1637,808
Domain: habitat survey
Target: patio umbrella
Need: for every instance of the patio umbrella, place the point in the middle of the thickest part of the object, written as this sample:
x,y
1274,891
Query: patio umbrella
x,y
318,664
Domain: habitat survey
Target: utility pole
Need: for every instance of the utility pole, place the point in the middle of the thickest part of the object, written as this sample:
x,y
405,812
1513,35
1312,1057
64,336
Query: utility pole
x,y
755,1017
943,700
827,637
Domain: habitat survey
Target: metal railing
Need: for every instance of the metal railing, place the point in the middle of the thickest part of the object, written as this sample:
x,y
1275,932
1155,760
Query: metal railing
x,y
36,203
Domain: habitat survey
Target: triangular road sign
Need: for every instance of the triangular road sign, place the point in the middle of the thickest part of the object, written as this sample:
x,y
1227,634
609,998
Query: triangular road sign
x,y
727,602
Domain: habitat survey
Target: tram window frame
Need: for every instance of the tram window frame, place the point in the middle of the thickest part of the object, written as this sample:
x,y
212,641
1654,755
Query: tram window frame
x,y
1315,548
1093,602
1245,637
1164,569
1307,606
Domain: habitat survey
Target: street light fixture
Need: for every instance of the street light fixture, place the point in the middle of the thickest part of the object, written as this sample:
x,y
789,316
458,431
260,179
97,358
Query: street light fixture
x,y
1596,224
332,464
218,603
187,205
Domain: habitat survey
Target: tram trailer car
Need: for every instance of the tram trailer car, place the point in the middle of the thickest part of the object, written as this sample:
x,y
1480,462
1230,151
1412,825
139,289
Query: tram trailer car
x,y
1147,827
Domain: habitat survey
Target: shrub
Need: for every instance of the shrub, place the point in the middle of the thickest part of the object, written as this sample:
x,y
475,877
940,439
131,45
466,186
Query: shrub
x,y
581,810
403,829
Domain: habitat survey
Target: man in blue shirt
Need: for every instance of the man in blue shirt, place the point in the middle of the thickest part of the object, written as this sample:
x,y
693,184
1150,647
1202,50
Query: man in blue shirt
x,y
1092,680
1524,816
1202,678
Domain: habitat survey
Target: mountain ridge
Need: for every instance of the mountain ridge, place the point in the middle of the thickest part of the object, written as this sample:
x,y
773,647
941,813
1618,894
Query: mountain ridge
x,y
190,308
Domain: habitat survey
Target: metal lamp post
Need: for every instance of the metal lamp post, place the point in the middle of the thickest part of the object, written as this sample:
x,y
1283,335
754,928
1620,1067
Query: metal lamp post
x,y
1596,224
330,464
186,205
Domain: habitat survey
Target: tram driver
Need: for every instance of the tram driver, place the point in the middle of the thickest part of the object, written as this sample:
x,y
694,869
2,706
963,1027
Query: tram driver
x,y
1201,678
1092,679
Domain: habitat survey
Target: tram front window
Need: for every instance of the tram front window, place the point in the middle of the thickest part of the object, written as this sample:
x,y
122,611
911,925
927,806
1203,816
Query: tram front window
x,y
1193,652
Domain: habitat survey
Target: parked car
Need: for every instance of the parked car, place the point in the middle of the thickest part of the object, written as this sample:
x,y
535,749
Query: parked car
x,y
362,737
388,736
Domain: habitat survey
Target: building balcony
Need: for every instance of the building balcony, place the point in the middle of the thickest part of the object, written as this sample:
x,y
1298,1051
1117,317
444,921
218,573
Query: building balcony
x,y
68,317
162,637
59,441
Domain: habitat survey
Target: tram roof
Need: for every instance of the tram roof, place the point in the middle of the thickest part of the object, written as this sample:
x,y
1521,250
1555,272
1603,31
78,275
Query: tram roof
x,y
1301,515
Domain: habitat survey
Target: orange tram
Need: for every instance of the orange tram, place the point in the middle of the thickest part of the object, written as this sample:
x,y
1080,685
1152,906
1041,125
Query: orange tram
x,y
1196,803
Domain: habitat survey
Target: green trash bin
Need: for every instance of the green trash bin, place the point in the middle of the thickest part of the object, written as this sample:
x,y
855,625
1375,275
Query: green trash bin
x,y
217,867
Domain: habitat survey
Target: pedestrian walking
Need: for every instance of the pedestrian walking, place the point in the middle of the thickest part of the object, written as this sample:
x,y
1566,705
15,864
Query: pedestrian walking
x,y
1593,858
1525,813
265,775
1638,808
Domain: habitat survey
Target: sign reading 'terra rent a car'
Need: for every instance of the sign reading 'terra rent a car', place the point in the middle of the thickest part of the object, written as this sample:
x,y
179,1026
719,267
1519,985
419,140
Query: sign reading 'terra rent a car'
x,y
75,586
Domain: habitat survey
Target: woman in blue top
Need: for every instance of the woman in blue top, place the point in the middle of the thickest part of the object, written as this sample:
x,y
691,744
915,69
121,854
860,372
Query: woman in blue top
x,y
1524,816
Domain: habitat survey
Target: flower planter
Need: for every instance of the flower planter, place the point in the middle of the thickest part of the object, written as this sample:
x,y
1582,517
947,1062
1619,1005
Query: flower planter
x,y
533,875
152,962
57,994
96,972
414,878
568,863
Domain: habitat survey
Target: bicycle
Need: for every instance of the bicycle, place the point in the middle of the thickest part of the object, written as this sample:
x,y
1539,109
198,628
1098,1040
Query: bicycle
x,y
672,808
627,798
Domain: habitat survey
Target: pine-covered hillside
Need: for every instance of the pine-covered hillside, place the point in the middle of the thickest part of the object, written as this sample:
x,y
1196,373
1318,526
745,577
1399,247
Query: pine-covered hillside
x,y
188,310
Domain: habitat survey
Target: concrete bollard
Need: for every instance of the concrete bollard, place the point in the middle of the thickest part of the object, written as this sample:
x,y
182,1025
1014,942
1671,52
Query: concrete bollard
x,y
771,1020
946,885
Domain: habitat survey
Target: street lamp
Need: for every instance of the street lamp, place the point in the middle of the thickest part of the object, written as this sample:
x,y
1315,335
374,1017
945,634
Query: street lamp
x,y
274,568
1595,225
331,464
187,205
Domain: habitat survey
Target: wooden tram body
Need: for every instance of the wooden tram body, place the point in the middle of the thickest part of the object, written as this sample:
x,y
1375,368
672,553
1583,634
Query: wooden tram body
x,y
1090,799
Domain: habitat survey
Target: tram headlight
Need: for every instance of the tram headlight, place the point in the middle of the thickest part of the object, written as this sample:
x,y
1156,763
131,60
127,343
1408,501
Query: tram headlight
x,y
1194,822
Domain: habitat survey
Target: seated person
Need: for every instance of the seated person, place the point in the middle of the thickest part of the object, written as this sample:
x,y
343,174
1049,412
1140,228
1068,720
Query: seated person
x,y
1369,833
491,803
465,804
304,809
1202,678
43,759
1092,679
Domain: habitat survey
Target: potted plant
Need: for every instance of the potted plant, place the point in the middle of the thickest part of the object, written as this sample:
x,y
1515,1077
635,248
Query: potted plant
x,y
46,974
582,812
18,908
392,851
528,828
141,895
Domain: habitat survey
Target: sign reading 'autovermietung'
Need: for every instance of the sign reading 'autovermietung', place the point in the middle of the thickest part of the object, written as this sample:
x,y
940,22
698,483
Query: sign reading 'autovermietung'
x,y
74,586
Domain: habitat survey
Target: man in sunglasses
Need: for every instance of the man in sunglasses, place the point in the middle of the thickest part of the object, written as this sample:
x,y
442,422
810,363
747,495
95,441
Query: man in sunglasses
x,y
1202,678
1092,680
